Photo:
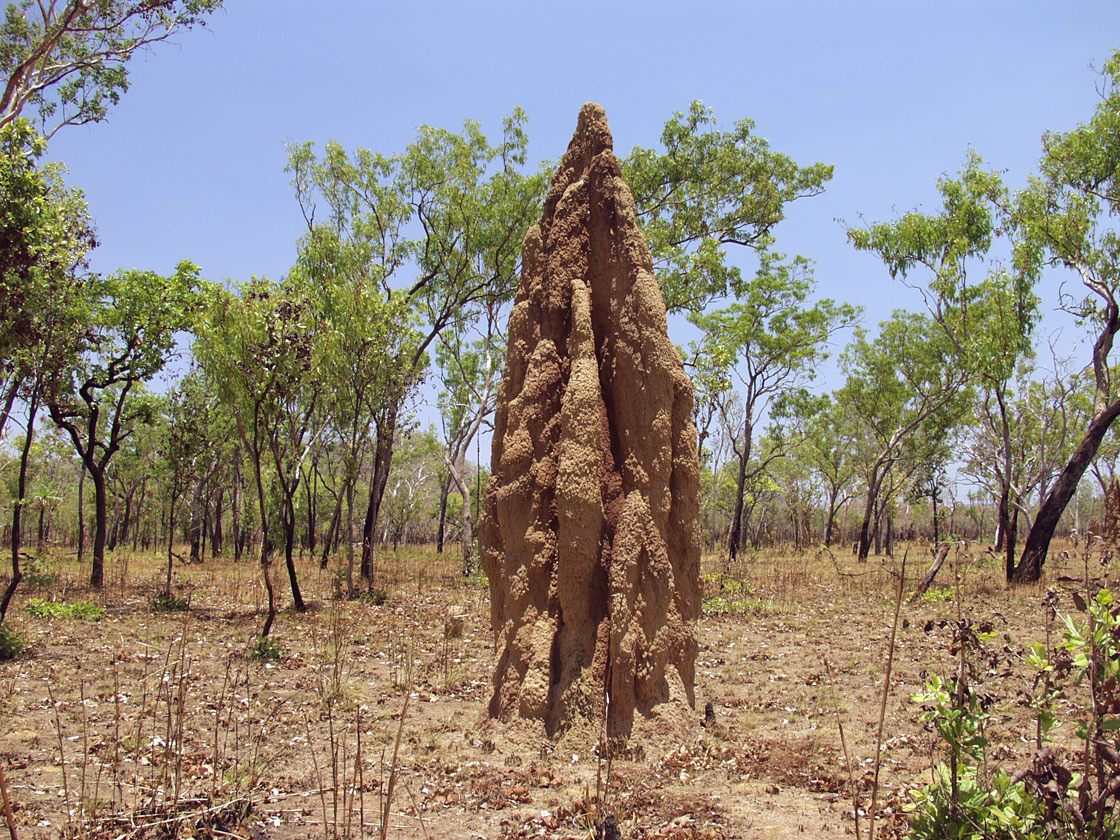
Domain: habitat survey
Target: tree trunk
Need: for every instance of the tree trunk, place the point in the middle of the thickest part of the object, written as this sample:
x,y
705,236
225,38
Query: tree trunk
x,y
289,524
468,523
235,509
444,492
312,498
332,532
735,534
81,512
100,526
382,462
865,533
17,508
196,519
216,532
1049,514
170,545
349,539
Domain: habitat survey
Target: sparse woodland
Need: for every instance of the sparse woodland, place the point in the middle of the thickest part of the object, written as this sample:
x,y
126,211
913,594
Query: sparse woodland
x,y
242,598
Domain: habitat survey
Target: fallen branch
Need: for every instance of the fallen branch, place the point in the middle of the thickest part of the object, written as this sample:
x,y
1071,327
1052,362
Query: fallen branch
x,y
938,561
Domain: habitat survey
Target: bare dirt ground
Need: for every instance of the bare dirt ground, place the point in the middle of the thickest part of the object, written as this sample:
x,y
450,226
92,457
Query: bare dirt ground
x,y
147,723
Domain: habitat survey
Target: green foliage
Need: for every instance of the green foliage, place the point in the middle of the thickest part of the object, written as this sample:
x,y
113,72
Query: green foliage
x,y
732,596
163,602
994,808
66,61
45,234
38,575
75,610
963,802
12,644
710,189
266,649
938,595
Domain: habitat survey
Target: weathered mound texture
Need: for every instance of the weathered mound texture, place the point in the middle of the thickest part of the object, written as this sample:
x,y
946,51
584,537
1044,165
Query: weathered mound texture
x,y
589,530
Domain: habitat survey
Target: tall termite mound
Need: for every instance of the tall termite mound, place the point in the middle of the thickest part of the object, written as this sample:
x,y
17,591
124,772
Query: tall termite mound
x,y
589,531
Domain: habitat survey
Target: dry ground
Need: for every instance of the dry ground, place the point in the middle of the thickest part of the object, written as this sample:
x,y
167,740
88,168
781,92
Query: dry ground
x,y
145,723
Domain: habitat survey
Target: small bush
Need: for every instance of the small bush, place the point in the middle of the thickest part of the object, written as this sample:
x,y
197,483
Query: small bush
x,y
12,645
266,649
77,610
164,602
36,575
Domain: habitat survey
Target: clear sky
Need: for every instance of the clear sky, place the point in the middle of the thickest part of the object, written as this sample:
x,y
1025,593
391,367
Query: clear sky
x,y
191,163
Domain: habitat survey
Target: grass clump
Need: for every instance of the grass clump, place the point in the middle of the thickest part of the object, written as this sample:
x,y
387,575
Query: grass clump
x,y
76,610
12,645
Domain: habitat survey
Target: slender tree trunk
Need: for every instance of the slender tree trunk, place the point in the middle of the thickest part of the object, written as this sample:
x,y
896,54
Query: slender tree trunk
x,y
170,545
865,530
468,522
735,534
1050,512
332,532
350,591
196,520
444,492
17,508
216,533
1005,534
100,526
936,531
382,463
81,511
312,497
289,523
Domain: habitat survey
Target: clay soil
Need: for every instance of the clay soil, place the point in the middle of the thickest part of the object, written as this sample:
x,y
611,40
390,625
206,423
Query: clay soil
x,y
150,723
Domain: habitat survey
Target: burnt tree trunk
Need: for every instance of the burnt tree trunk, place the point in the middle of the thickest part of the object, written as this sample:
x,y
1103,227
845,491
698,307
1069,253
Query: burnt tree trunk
x,y
1053,506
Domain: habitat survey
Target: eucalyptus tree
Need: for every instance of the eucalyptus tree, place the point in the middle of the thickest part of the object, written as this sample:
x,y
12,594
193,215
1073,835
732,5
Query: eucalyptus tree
x,y
1066,217
707,190
986,324
45,234
65,60
772,339
828,441
258,345
135,320
902,387
438,228
469,372
364,335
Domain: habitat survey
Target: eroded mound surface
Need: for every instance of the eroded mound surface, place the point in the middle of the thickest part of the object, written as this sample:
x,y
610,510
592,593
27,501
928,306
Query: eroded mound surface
x,y
589,530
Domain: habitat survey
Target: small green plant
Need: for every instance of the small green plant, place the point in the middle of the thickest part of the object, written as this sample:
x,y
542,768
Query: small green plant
x,y
962,802
1078,800
938,595
734,596
266,649
76,610
12,645
163,602
36,574
377,597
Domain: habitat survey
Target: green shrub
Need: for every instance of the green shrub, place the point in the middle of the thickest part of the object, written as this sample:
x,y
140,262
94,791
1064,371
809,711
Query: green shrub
x,y
36,574
12,645
164,602
265,649
77,610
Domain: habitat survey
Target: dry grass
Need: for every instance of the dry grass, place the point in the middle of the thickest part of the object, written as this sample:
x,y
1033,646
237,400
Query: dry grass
x,y
145,723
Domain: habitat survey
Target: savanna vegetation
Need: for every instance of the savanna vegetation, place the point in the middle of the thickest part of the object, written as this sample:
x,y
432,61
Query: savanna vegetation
x,y
228,506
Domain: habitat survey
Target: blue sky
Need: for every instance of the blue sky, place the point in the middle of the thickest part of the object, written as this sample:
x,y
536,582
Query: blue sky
x,y
190,164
